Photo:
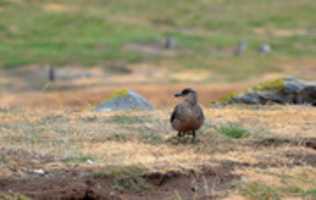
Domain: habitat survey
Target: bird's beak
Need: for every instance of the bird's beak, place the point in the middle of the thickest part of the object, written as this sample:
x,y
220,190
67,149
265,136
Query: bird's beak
x,y
178,95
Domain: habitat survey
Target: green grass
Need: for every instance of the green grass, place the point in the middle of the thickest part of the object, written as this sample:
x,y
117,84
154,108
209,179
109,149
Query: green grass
x,y
95,32
13,196
259,191
262,191
232,130
305,194
310,194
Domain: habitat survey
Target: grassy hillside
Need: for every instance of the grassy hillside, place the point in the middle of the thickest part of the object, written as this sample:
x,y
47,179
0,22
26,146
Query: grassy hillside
x,y
98,33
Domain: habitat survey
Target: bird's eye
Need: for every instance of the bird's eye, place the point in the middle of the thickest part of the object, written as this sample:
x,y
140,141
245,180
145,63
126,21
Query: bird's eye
x,y
185,92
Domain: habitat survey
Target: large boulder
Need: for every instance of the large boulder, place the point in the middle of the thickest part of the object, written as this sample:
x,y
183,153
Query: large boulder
x,y
124,100
281,91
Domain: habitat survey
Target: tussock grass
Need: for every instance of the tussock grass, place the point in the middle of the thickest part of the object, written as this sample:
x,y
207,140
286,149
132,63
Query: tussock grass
x,y
13,196
233,130
259,191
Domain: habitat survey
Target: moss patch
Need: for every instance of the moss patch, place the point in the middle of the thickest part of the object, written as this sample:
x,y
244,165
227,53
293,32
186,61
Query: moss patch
x,y
275,85
118,93
13,196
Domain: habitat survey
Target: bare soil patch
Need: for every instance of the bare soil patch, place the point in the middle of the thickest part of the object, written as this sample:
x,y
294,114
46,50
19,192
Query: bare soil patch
x,y
83,185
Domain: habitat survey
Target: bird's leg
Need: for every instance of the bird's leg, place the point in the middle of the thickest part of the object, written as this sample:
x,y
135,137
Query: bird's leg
x,y
193,135
179,134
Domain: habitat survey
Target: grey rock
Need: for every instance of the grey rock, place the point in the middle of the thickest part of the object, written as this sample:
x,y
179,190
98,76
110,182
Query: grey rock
x,y
264,48
294,91
248,98
130,101
293,86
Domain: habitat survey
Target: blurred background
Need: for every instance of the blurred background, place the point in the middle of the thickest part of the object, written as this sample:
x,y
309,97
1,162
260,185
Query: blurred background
x,y
60,53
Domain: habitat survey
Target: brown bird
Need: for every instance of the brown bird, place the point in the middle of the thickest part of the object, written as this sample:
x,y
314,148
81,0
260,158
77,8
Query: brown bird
x,y
187,116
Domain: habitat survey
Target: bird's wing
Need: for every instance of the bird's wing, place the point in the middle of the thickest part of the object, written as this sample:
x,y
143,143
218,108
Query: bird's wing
x,y
175,113
201,114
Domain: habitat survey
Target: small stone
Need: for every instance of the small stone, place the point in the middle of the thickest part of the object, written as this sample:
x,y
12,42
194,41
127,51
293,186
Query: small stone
x,y
170,42
90,162
39,171
264,48
51,74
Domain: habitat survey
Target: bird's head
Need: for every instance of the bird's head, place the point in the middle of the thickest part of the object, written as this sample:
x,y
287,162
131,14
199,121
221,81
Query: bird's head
x,y
188,94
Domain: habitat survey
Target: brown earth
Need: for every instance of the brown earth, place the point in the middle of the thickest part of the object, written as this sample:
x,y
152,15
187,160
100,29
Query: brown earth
x,y
79,184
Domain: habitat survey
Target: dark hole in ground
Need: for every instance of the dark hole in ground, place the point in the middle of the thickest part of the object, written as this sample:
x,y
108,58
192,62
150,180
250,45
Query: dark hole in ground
x,y
70,185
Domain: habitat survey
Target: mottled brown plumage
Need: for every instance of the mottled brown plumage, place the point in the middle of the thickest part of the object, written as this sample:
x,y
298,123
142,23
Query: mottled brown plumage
x,y
187,116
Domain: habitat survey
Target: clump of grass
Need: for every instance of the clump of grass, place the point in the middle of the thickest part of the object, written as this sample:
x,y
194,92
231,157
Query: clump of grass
x,y
233,130
311,193
126,178
260,191
13,196
277,84
299,192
